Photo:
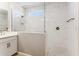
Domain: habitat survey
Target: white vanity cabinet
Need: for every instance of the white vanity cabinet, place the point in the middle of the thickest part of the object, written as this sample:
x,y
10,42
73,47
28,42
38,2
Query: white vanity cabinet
x,y
8,46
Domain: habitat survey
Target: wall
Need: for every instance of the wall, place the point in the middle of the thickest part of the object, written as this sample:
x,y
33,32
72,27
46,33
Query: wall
x,y
63,41
78,28
4,5
72,28
56,16
32,43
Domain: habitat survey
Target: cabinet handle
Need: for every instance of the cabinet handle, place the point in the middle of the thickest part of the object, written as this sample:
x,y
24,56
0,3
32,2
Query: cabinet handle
x,y
8,45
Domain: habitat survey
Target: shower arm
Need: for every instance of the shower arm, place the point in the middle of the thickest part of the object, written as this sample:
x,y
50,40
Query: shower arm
x,y
70,19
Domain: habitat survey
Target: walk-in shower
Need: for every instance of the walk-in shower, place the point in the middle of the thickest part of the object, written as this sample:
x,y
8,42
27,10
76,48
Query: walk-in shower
x,y
46,28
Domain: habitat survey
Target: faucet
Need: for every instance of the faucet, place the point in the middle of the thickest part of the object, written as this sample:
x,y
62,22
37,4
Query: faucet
x,y
1,29
1,32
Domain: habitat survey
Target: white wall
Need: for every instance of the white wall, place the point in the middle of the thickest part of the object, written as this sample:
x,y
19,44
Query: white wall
x,y
72,28
4,5
56,15
63,41
78,28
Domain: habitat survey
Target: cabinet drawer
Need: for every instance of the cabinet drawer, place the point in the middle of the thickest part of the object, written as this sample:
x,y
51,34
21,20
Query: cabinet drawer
x,y
7,39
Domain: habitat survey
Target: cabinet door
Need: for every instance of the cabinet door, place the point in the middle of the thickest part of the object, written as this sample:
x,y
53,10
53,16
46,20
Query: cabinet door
x,y
12,46
9,47
3,49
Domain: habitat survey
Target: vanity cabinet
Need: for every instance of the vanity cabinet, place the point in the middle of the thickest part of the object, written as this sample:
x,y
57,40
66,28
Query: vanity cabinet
x,y
8,46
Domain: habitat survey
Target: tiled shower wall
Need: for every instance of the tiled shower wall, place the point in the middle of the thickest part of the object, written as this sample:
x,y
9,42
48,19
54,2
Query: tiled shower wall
x,y
32,43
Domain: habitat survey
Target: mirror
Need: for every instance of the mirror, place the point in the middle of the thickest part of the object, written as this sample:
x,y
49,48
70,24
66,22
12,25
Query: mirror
x,y
3,20
28,17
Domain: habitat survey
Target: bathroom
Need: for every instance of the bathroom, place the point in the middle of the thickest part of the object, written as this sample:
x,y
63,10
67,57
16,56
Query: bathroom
x,y
39,28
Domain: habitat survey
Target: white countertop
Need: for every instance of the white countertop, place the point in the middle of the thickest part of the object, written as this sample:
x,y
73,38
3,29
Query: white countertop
x,y
7,34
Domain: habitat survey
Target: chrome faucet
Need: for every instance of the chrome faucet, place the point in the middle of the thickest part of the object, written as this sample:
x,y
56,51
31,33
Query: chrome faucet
x,y
1,32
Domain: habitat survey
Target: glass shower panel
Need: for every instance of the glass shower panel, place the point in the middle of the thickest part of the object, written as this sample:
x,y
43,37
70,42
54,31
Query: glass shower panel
x,y
28,18
35,19
18,19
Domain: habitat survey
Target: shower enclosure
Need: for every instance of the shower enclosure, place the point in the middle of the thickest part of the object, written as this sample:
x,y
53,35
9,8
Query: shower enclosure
x,y
46,28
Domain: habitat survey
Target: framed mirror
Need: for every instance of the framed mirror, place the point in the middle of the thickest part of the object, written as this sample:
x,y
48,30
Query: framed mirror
x,y
3,20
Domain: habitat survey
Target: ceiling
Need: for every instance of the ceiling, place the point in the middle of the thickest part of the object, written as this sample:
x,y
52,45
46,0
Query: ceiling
x,y
29,4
